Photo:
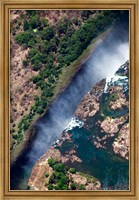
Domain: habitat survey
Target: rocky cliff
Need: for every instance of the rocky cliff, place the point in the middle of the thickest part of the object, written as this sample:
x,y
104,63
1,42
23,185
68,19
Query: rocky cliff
x,y
106,107
101,122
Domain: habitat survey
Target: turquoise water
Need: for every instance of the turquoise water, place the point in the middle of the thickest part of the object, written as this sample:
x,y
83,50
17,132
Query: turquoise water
x,y
111,170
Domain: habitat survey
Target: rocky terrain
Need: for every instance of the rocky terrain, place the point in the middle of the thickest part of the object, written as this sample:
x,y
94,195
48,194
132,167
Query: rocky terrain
x,y
108,101
75,180
101,121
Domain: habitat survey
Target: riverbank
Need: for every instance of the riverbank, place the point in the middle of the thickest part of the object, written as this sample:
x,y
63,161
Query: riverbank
x,y
64,80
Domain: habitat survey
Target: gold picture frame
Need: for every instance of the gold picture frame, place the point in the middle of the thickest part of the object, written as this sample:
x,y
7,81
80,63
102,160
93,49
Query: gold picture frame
x,y
133,7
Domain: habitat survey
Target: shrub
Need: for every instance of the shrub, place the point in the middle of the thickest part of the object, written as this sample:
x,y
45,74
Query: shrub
x,y
51,162
52,179
46,175
31,12
31,43
23,38
32,53
60,167
47,33
64,187
36,98
81,187
26,126
73,186
58,175
64,179
114,97
72,170
40,111
25,63
36,59
28,187
36,67
45,22
15,136
50,187
35,22
26,25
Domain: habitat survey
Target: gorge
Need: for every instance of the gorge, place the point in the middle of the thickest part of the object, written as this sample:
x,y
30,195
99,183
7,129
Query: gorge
x,y
109,55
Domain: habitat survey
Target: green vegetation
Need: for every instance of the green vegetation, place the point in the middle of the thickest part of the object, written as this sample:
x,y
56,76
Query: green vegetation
x,y
105,105
50,187
25,63
47,175
52,49
28,187
73,186
114,97
59,177
81,187
51,162
72,170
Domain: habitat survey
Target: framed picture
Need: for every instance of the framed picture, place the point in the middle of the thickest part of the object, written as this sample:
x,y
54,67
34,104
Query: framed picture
x,y
69,103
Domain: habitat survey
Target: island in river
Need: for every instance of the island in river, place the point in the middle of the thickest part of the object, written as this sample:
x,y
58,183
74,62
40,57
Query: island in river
x,y
47,49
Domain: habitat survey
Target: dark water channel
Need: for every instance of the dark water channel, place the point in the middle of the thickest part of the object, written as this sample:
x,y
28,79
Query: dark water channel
x,y
110,169
108,56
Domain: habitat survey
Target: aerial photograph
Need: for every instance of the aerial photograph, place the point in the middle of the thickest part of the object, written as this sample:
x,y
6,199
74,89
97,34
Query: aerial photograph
x,y
69,100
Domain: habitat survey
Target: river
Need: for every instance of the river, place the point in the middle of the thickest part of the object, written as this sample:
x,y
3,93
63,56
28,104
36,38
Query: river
x,y
104,61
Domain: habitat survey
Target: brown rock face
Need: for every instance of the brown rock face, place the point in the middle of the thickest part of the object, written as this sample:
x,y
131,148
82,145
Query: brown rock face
x,y
88,107
92,184
121,143
111,126
38,180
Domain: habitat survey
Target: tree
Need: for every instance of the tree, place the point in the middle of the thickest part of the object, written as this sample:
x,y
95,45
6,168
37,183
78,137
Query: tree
x,y
26,126
58,175
32,53
47,175
26,25
28,187
36,67
40,110
48,47
50,187
47,33
85,14
82,187
63,25
73,186
36,59
72,170
44,22
35,21
31,12
64,179
25,63
15,136
44,104
31,43
23,38
36,98
51,162
60,167
64,187
52,179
